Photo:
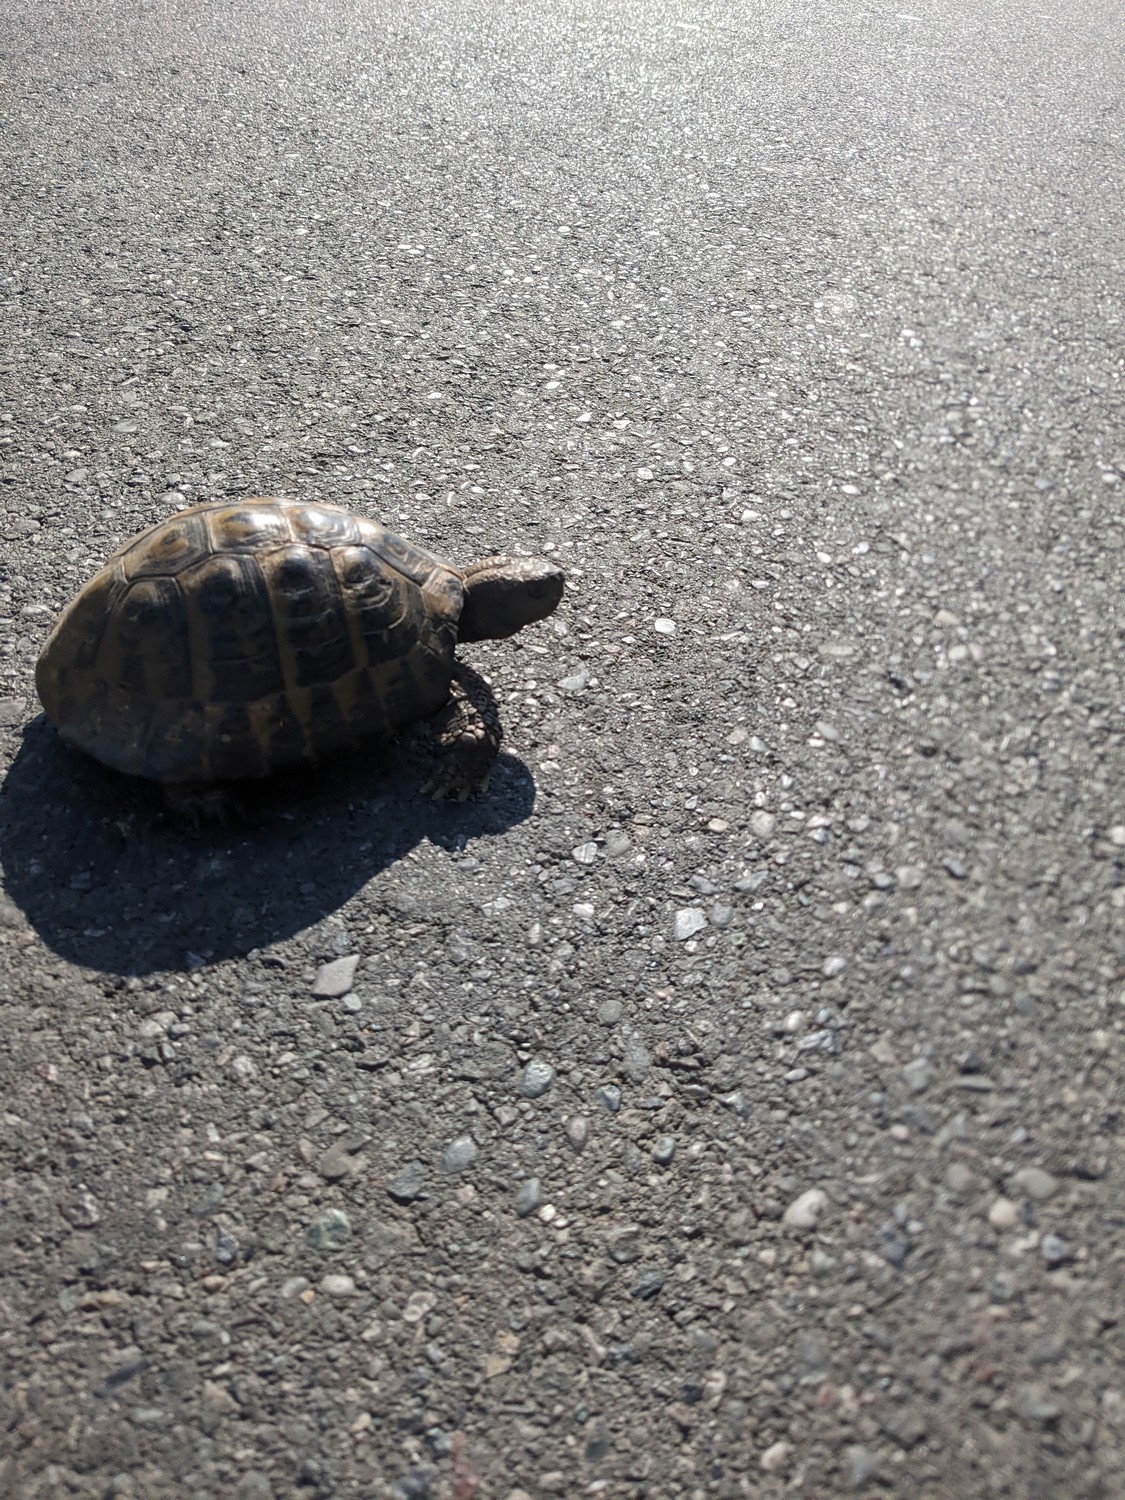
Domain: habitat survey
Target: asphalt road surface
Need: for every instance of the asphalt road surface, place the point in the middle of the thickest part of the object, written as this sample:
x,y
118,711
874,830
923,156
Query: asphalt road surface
x,y
726,1103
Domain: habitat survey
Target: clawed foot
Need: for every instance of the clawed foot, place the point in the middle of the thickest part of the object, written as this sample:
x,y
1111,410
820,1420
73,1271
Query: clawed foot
x,y
454,781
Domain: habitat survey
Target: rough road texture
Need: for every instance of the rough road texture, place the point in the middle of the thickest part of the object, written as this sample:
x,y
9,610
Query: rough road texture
x,y
726,1104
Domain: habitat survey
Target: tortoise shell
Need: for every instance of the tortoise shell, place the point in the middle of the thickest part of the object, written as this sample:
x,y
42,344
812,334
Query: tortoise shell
x,y
235,639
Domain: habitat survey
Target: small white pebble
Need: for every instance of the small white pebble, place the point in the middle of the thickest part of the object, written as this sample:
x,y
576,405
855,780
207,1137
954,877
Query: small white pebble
x,y
804,1211
418,1305
1003,1214
776,1456
958,1177
334,1285
1035,1183
689,920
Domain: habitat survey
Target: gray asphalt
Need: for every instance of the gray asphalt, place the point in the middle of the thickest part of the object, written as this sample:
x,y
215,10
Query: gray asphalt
x,y
727,1103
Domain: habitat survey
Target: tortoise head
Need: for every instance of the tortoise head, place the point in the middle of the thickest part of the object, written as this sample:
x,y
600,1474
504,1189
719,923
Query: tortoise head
x,y
503,594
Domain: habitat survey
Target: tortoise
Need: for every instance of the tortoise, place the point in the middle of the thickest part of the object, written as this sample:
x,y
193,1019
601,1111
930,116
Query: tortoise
x,y
239,638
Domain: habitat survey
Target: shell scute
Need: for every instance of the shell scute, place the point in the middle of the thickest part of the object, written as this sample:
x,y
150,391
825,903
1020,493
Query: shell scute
x,y
330,727
309,615
169,549
171,744
84,623
323,526
250,527
283,734
401,556
406,694
151,609
380,605
233,640
234,750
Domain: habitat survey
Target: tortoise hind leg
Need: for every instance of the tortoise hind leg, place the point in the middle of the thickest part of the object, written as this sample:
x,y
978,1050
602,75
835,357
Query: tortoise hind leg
x,y
468,735
192,805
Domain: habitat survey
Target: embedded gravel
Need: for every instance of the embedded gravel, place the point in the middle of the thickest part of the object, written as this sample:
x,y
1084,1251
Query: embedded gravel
x,y
727,1103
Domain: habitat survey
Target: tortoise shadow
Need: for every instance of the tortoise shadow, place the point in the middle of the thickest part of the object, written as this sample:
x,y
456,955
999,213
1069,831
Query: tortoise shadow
x,y
108,883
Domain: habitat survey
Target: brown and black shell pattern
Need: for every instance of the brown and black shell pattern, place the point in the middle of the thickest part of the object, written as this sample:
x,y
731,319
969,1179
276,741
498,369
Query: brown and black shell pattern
x,y
235,639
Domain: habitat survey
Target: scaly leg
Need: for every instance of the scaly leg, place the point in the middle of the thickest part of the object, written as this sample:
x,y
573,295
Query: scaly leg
x,y
468,735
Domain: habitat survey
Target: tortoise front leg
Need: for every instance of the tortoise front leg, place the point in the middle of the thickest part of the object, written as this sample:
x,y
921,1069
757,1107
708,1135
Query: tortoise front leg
x,y
468,735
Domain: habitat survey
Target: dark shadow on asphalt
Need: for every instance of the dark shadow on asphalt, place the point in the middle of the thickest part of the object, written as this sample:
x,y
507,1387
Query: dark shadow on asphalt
x,y
108,882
